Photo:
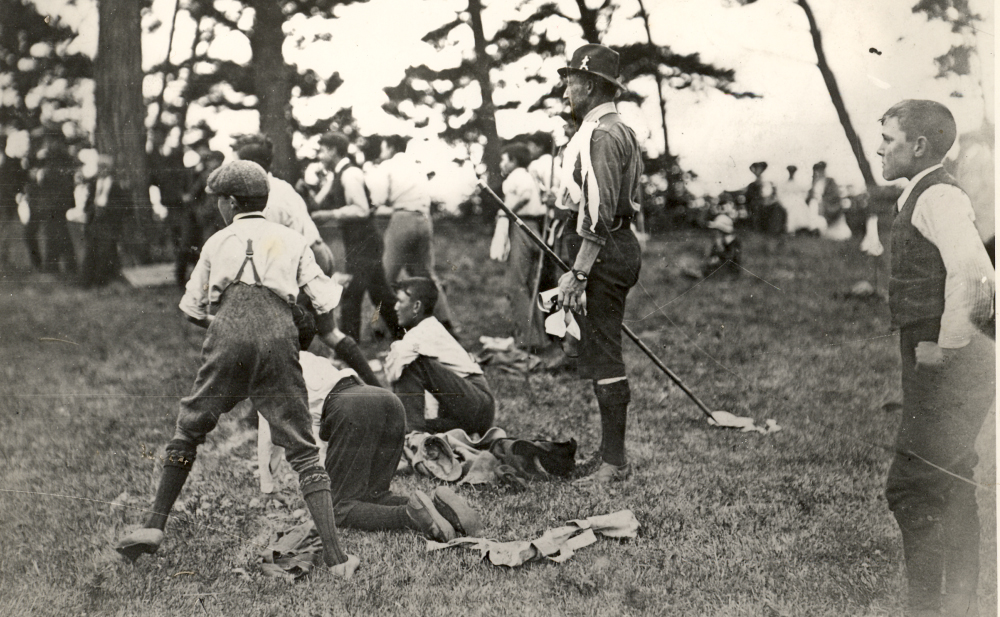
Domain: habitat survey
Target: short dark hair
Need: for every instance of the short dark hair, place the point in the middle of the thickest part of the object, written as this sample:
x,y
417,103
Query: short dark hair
x,y
541,139
306,325
215,155
518,153
257,148
928,119
396,142
337,141
422,289
255,203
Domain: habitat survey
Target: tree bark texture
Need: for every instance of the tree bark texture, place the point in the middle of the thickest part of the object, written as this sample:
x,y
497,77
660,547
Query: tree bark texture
x,y
838,100
121,130
487,112
272,85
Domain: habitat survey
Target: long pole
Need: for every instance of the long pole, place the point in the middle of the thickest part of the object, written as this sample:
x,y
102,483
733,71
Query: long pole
x,y
628,332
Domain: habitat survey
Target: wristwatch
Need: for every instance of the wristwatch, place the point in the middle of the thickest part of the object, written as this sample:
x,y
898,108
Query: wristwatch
x,y
580,275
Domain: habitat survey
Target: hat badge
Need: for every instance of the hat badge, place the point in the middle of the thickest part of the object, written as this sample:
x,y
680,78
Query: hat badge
x,y
584,63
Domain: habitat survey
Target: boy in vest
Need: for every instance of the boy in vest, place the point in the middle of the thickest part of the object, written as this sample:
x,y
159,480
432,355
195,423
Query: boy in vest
x,y
343,197
242,290
940,297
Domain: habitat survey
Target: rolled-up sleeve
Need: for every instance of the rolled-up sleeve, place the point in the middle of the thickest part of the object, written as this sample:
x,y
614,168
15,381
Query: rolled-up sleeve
x,y
943,214
321,289
195,300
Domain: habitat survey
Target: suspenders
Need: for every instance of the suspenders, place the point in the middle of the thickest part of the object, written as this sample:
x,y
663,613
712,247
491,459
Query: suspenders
x,y
249,258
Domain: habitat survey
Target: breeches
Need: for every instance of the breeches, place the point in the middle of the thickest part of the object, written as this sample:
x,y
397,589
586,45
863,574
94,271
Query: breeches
x,y
614,273
364,429
250,351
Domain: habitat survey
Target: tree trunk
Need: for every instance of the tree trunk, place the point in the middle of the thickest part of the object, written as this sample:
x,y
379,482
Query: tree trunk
x,y
487,113
659,93
588,22
838,100
120,130
272,85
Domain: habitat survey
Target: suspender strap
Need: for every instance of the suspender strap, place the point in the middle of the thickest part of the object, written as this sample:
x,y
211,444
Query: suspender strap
x,y
249,258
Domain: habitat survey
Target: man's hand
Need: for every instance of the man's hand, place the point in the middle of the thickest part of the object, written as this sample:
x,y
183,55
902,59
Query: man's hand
x,y
570,292
929,355
347,569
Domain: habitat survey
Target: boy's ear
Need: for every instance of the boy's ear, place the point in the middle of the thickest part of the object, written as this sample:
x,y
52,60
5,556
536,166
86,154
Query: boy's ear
x,y
921,147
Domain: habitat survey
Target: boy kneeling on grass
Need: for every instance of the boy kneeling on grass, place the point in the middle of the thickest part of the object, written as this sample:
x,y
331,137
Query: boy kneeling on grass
x,y
243,290
362,429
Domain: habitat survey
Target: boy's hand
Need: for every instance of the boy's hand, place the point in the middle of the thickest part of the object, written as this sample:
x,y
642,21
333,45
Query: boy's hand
x,y
929,355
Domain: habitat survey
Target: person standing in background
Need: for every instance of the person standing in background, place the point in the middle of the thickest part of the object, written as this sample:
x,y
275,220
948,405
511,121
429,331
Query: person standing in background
x,y
13,178
400,189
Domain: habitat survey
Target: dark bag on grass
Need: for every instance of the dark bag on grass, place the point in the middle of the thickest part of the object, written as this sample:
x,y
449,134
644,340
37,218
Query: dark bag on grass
x,y
536,458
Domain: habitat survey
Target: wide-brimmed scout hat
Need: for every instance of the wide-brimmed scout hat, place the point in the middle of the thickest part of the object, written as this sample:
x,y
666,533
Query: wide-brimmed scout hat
x,y
595,60
239,179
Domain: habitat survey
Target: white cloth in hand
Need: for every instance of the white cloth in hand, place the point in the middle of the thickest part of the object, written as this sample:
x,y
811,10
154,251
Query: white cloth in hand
x,y
871,244
500,245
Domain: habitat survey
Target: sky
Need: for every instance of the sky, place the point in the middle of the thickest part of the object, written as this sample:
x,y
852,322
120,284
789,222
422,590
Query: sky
x,y
880,53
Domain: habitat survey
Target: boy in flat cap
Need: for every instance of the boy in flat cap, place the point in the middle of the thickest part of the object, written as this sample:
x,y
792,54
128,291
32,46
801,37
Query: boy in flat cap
x,y
941,298
243,290
600,185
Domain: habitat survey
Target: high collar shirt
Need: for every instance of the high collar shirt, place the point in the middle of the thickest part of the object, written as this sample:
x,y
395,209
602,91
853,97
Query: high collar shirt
x,y
429,338
943,214
601,171
286,207
520,193
282,258
400,184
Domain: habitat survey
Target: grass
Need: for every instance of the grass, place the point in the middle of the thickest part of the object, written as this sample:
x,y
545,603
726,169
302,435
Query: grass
x,y
792,523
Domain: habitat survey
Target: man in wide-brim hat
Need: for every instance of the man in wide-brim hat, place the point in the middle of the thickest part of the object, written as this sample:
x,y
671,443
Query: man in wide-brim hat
x,y
600,185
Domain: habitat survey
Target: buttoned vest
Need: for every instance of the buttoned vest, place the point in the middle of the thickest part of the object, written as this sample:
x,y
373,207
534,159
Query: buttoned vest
x,y
916,283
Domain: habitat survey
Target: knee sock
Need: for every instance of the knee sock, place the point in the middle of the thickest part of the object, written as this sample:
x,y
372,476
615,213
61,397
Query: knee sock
x,y
315,487
924,558
175,472
612,400
375,517
348,351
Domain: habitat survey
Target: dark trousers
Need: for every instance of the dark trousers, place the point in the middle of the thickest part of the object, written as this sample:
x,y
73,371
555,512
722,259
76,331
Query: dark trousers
x,y
522,271
409,245
463,402
58,243
363,256
614,273
251,351
364,429
943,410
101,264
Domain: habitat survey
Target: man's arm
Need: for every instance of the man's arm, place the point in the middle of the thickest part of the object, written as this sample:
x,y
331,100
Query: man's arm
x,y
943,214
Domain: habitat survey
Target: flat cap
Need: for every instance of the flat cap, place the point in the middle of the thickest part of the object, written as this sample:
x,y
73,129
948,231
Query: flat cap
x,y
239,179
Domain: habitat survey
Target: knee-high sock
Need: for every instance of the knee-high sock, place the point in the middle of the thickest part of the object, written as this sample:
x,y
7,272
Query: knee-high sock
x,y
348,351
315,487
175,472
924,557
613,399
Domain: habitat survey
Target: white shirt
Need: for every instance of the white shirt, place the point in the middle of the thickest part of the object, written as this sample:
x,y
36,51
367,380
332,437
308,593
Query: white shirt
x,y
321,376
429,338
400,184
283,259
286,207
943,214
544,173
520,193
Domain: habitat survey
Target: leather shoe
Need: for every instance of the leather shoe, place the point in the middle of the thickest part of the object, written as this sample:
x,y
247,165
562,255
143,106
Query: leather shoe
x,y
459,514
427,519
142,540
606,474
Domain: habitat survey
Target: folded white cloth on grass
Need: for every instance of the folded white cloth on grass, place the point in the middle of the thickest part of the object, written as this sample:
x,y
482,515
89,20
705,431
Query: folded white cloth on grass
x,y
557,544
725,419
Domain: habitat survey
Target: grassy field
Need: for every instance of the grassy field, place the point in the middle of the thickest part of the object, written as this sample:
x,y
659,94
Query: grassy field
x,y
791,523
